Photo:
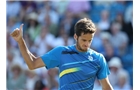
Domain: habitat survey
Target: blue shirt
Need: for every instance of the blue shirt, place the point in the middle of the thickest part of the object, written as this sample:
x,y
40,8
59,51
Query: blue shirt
x,y
77,70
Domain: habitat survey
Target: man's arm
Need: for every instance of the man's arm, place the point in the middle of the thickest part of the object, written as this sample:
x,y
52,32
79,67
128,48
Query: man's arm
x,y
106,84
31,61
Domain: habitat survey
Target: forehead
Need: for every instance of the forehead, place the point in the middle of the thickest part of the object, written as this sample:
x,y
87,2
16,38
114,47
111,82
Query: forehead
x,y
87,36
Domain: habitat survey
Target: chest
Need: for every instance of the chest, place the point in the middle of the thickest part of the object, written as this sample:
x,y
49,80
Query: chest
x,y
81,65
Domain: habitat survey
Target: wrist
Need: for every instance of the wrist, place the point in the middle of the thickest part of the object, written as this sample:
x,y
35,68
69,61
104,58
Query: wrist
x,y
20,41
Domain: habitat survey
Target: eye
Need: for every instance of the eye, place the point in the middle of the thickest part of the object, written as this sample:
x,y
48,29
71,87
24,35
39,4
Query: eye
x,y
84,40
89,40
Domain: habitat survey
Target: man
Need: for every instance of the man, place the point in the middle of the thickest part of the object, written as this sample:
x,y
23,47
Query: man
x,y
78,64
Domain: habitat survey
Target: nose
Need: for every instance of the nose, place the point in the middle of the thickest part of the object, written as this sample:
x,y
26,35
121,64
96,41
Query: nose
x,y
87,44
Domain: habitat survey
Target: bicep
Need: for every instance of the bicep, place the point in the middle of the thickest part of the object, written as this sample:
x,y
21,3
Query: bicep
x,y
105,84
104,69
104,81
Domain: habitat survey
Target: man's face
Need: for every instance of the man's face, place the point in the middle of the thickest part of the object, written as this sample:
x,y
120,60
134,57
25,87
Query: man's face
x,y
83,42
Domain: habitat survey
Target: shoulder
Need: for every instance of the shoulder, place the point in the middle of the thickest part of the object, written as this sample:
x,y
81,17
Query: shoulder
x,y
96,55
59,48
62,48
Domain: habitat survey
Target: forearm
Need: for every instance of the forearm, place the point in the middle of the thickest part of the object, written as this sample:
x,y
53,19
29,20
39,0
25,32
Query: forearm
x,y
26,54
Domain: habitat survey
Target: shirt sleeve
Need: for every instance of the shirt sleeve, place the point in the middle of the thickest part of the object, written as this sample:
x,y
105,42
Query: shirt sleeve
x,y
52,58
104,69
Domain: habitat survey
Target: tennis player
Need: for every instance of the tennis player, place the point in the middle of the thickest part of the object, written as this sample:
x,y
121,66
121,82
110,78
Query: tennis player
x,y
78,64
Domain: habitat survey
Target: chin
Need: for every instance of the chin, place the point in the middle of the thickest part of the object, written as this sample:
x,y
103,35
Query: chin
x,y
84,50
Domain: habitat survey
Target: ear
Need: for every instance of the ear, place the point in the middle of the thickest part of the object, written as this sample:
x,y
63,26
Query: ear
x,y
75,37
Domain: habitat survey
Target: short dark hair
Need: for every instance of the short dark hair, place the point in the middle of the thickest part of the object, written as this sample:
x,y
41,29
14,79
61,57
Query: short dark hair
x,y
85,26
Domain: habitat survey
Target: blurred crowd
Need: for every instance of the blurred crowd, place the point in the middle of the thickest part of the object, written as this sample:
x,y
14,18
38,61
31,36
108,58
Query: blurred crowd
x,y
48,24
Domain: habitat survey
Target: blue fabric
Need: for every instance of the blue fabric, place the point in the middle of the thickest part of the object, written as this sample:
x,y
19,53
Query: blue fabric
x,y
77,70
52,58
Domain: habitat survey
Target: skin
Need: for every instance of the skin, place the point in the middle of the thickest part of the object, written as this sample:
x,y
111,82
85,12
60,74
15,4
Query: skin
x,y
83,42
32,61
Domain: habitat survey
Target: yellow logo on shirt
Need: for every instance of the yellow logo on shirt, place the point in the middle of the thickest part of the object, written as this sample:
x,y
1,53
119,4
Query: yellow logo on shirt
x,y
70,70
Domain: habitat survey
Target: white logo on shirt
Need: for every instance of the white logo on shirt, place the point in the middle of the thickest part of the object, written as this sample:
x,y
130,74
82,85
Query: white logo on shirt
x,y
90,58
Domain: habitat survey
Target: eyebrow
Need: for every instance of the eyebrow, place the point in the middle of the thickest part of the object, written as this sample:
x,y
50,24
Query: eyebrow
x,y
86,40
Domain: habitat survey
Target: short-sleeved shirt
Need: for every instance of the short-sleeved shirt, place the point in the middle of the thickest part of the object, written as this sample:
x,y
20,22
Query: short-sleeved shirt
x,y
77,70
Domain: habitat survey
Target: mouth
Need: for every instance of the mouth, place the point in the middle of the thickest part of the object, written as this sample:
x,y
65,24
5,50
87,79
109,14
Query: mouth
x,y
85,46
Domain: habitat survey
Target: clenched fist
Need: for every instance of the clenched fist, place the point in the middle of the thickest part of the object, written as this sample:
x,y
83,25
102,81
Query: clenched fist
x,y
17,34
